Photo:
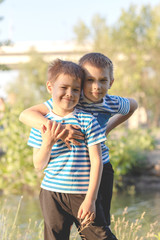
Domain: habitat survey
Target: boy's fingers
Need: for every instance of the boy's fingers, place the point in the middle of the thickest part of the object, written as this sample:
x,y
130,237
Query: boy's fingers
x,y
88,218
75,136
79,213
76,132
84,214
57,129
75,126
68,145
84,221
92,216
50,124
85,218
75,142
60,134
43,128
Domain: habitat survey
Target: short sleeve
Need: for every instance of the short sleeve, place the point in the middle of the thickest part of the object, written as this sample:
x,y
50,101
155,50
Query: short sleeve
x,y
49,104
35,138
124,105
94,134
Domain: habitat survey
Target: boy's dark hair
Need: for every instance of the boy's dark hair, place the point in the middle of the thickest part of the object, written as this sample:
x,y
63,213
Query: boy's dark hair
x,y
97,60
59,66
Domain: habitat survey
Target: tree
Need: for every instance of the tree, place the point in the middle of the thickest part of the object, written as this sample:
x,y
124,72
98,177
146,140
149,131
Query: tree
x,y
30,84
137,36
133,44
82,32
2,43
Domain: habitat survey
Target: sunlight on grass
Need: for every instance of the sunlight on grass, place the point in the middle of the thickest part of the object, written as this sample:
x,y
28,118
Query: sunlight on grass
x,y
121,226
126,230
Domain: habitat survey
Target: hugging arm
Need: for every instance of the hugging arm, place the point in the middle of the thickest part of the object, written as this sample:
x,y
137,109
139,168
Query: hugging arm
x,y
34,117
119,118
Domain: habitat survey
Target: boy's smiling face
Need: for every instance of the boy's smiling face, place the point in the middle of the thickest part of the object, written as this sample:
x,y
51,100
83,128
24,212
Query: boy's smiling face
x,y
65,91
97,82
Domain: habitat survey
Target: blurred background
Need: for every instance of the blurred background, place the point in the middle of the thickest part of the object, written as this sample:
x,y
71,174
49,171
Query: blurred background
x,y
33,33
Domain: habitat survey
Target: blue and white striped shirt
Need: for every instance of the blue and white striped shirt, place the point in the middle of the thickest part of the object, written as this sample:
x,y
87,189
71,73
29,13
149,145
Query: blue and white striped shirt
x,y
68,171
103,111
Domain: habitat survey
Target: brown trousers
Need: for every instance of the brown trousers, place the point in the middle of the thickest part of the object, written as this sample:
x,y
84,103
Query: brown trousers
x,y
60,211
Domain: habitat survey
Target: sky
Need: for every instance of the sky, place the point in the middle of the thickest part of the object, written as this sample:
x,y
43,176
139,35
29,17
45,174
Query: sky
x,y
53,20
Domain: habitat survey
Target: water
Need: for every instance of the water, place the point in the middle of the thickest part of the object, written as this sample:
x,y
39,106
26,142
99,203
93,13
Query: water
x,y
137,204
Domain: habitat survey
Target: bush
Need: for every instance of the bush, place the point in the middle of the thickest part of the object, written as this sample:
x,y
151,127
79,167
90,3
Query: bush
x,y
16,167
128,152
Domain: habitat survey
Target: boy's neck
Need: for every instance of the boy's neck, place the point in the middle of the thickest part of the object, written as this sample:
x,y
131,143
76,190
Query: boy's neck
x,y
89,101
61,112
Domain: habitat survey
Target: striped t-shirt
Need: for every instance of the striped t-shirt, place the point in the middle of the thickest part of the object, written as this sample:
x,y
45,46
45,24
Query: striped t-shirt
x,y
68,171
103,111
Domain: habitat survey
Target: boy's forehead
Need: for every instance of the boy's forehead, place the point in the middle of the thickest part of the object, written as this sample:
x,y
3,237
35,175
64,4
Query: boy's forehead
x,y
91,70
67,78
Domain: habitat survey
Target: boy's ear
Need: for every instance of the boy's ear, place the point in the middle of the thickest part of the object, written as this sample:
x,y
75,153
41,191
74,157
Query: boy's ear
x,y
111,82
49,87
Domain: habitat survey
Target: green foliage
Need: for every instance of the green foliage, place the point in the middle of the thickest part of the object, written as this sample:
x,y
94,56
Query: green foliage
x,y
128,152
16,167
134,47
157,236
31,81
82,32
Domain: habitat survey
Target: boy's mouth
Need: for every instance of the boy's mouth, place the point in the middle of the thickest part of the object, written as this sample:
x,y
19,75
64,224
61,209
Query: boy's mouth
x,y
96,93
68,99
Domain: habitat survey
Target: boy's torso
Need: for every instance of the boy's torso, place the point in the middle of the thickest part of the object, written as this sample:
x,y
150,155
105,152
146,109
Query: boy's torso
x,y
69,170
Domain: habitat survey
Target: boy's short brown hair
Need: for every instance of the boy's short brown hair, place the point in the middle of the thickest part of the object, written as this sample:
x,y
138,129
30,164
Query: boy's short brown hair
x,y
97,60
59,66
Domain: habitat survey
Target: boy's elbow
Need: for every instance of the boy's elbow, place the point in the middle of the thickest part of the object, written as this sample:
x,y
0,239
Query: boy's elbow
x,y
21,118
133,105
38,168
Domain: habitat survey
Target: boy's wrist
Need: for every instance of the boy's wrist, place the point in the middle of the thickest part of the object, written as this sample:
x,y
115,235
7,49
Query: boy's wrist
x,y
47,145
90,199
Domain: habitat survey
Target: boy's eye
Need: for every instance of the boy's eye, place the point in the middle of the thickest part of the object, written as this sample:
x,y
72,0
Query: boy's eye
x,y
104,80
76,90
90,79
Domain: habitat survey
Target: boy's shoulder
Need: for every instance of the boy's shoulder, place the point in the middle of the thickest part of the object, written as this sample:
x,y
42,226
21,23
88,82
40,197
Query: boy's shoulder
x,y
109,97
82,114
114,99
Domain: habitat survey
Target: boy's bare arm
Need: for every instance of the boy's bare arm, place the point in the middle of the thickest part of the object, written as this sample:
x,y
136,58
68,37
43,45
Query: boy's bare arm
x,y
119,118
88,206
34,116
50,134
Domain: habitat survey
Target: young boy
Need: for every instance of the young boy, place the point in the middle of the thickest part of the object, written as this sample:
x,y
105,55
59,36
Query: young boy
x,y
72,176
110,111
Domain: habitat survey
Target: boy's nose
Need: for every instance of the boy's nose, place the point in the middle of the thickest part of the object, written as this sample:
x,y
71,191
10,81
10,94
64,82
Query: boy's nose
x,y
96,85
69,93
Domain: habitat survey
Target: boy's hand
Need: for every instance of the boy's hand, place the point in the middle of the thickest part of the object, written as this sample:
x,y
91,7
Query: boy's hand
x,y
71,135
87,212
51,132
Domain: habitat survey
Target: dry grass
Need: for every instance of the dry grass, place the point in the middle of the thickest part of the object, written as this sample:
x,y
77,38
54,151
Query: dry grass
x,y
121,226
126,230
